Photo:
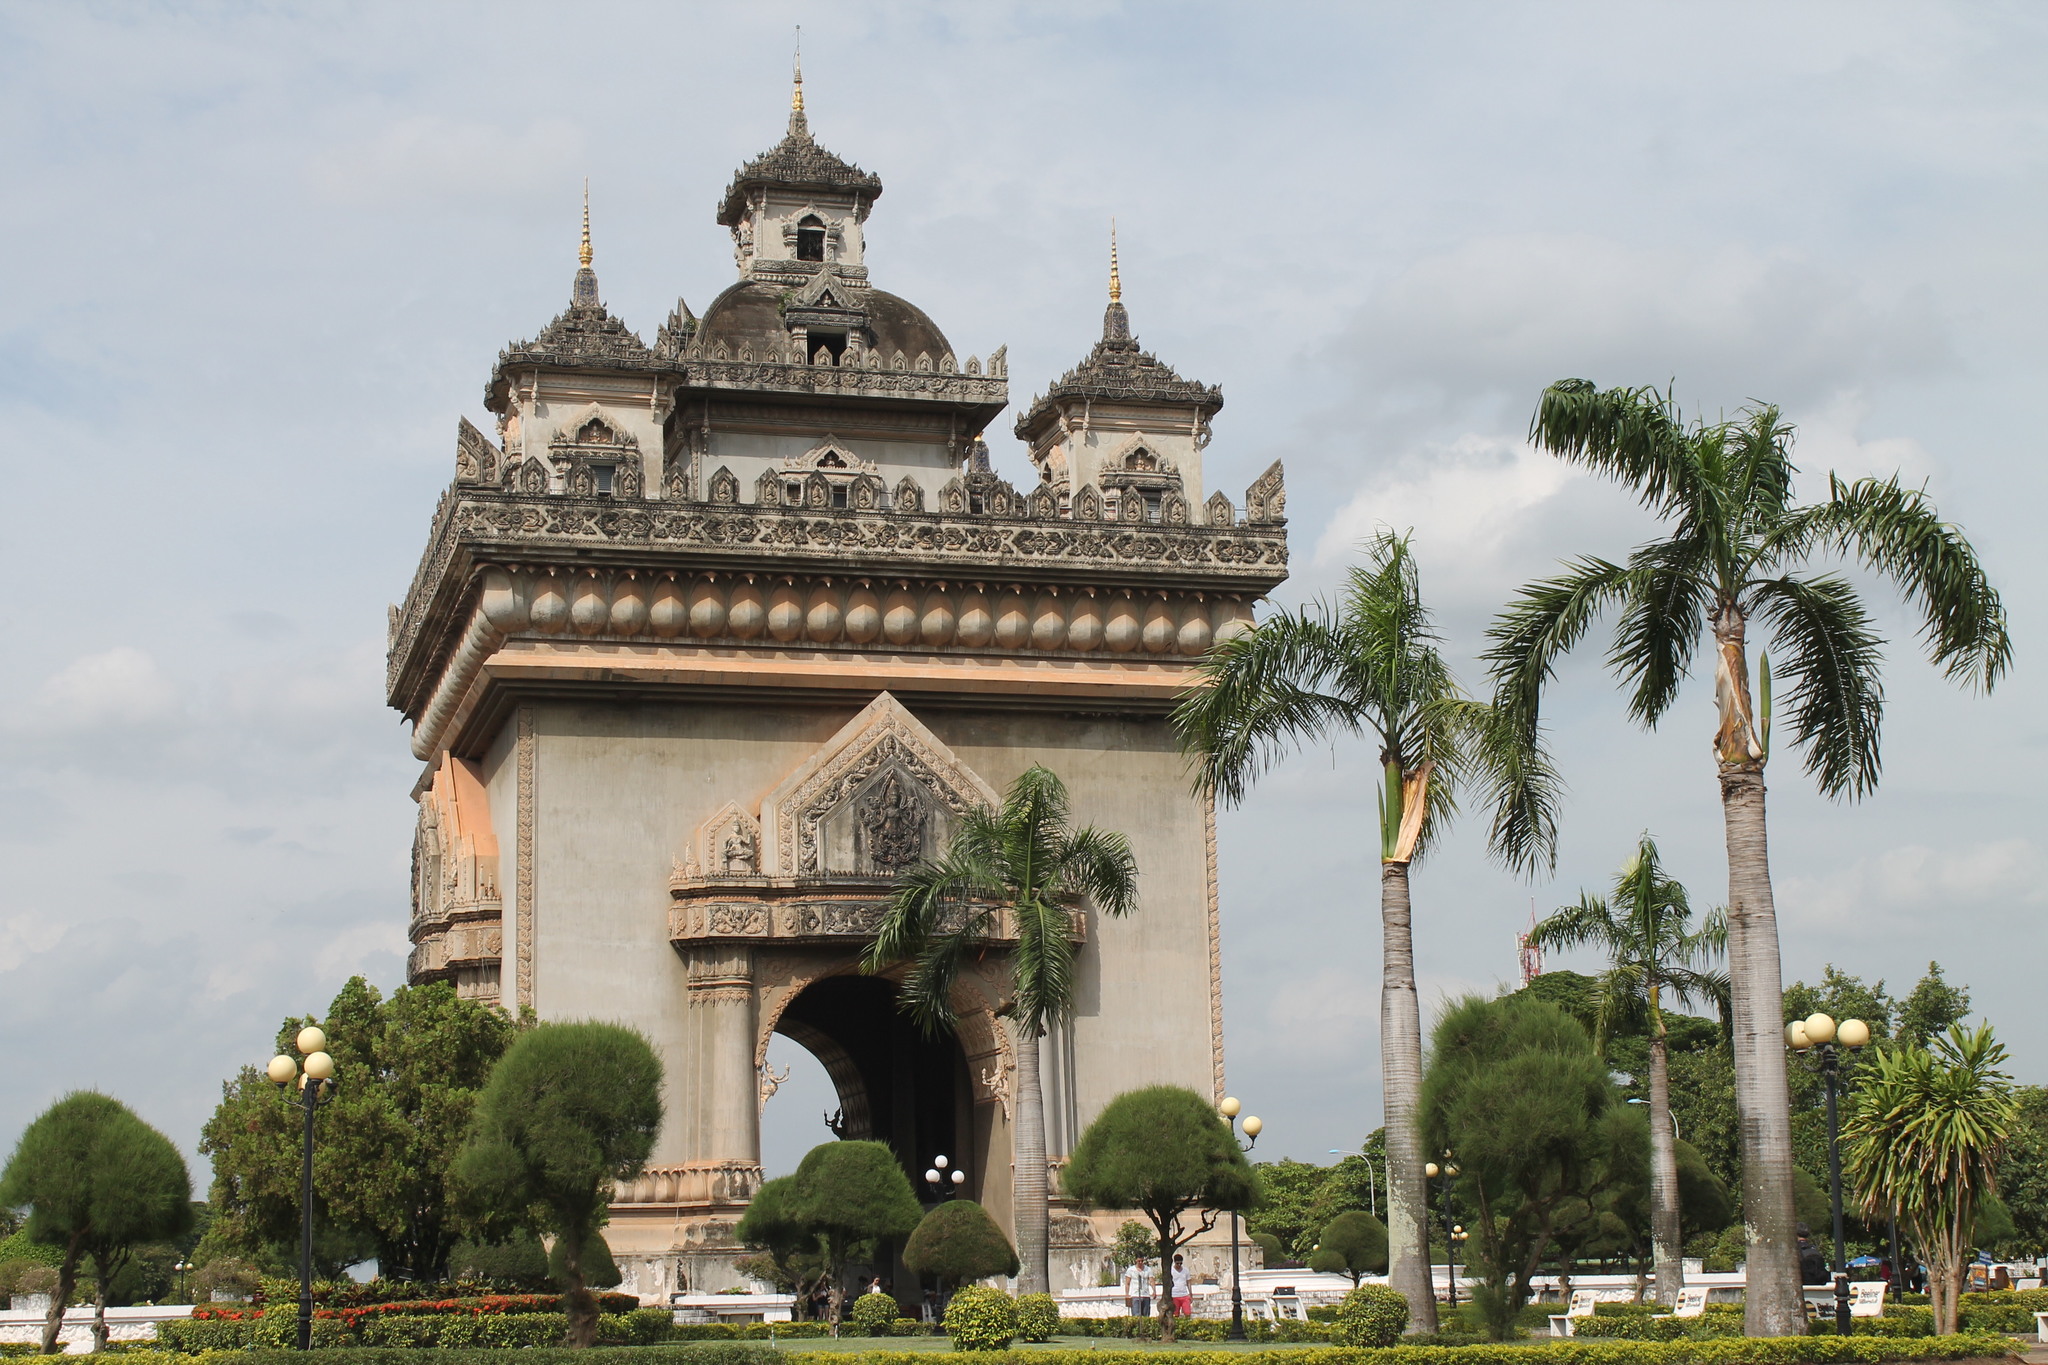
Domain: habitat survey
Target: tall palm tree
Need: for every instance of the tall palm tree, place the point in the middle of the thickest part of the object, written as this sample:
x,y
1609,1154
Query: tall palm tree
x,y
1925,1137
1737,552
1654,951
1369,665
1025,862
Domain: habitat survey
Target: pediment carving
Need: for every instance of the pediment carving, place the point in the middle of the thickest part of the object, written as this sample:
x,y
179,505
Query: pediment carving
x,y
882,793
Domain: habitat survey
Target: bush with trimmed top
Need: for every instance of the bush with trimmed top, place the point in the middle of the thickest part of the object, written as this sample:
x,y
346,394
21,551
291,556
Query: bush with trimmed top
x,y
873,1313
981,1318
1370,1315
1038,1317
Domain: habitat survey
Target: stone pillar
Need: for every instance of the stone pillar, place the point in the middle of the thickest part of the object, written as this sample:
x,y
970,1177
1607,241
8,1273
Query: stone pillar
x,y
728,1099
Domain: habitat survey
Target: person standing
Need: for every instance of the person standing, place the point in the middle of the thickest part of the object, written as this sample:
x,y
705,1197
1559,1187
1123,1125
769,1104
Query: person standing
x,y
1183,1292
1138,1289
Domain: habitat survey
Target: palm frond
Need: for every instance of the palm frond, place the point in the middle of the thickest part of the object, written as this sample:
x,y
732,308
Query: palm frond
x,y
1043,962
1099,865
1546,619
1635,436
1514,766
1832,658
1666,599
1260,695
1757,454
1897,532
1575,926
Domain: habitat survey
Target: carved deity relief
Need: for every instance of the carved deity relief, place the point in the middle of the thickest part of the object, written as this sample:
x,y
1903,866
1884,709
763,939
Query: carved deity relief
x,y
892,824
739,853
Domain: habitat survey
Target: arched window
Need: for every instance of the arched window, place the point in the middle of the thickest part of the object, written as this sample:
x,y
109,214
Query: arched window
x,y
810,238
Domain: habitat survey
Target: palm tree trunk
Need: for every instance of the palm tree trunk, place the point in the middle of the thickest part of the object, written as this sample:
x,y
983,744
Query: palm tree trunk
x,y
1028,1174
1667,1249
1772,1304
1401,1089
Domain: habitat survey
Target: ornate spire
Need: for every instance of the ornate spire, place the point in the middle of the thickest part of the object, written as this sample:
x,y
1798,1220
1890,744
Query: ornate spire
x,y
1116,323
1116,284
799,126
585,290
583,255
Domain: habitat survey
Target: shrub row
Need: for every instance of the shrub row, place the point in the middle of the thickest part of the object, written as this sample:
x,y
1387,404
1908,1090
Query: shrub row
x,y
1737,1351
1196,1329
279,1330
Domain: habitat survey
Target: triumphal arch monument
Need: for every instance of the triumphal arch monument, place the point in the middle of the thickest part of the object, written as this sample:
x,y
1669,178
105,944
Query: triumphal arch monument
x,y
713,636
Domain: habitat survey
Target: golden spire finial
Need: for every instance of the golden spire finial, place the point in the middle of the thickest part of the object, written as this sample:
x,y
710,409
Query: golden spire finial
x,y
1116,284
796,98
583,254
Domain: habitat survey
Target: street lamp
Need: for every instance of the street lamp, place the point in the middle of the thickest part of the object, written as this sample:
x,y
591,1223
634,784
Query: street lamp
x,y
1372,1189
181,1267
1447,1172
1253,1126
316,1087
1820,1040
945,1184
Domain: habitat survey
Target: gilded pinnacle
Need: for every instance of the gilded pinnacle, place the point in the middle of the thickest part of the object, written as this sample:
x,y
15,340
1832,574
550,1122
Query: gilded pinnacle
x,y
583,254
1116,284
796,98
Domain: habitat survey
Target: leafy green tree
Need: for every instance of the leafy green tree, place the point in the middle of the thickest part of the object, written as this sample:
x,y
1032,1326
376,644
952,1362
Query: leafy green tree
x,y
1289,1190
570,1110
1270,1247
791,1255
600,1271
1517,1099
1353,1244
1025,863
1134,1242
1164,1152
1371,665
1840,995
519,1262
1933,1008
412,1068
97,1182
1924,1136
849,1195
1628,1195
1645,928
2023,1169
1737,553
958,1242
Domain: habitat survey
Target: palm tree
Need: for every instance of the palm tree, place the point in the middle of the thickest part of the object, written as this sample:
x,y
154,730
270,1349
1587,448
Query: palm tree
x,y
1027,864
1645,928
1925,1138
1737,551
1369,665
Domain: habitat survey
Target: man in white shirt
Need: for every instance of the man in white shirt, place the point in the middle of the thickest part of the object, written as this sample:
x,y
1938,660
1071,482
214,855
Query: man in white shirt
x,y
1138,1289
1183,1292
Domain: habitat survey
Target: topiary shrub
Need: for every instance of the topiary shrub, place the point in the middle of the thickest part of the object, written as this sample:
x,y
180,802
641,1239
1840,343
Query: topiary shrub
x,y
981,1318
872,1315
228,1277
1371,1315
1038,1317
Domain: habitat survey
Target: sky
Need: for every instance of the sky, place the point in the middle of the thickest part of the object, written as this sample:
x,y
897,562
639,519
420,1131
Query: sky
x,y
256,259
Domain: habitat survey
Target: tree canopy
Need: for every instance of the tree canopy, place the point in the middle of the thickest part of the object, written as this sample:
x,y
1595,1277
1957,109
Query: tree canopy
x,y
97,1182
958,1241
847,1196
1353,1244
413,1065
1165,1152
571,1109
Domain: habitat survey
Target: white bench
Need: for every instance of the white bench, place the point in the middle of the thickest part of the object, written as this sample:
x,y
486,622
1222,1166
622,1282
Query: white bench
x,y
1692,1301
1564,1324
2041,1326
1866,1299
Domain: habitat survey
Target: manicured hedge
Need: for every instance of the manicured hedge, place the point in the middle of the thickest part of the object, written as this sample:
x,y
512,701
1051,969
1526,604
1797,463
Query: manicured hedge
x,y
1196,1329
1736,1351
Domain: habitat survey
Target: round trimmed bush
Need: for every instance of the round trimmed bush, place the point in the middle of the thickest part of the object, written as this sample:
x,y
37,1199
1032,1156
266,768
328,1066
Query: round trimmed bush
x,y
873,1313
1038,1317
981,1318
1371,1315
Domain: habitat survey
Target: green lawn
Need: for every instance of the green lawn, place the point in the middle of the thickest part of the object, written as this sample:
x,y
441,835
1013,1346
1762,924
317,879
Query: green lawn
x,y
851,1343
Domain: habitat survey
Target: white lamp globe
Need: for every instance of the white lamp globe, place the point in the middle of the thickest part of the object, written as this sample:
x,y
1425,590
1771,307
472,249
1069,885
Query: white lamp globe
x,y
939,1162
1229,1107
311,1040
320,1066
1430,1169
1253,1125
281,1070
931,1177
959,1177
1795,1035
1820,1028
1853,1033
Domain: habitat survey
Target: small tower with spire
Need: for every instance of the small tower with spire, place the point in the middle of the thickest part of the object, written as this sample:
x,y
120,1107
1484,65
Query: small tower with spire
x,y
1120,436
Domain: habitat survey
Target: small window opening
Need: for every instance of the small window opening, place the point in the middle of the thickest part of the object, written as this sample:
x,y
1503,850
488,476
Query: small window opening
x,y
810,241
793,493
601,477
832,342
1152,509
839,495
976,503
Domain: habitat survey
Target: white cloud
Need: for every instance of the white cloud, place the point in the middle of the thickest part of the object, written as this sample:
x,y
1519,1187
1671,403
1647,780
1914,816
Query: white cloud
x,y
120,688
428,157
25,936
1913,886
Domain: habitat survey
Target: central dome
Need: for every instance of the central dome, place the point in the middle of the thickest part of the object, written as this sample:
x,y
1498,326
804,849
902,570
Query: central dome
x,y
749,315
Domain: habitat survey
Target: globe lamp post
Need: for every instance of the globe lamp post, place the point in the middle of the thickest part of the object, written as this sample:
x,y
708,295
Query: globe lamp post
x,y
1446,1173
945,1182
1253,1126
316,1087
1821,1042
